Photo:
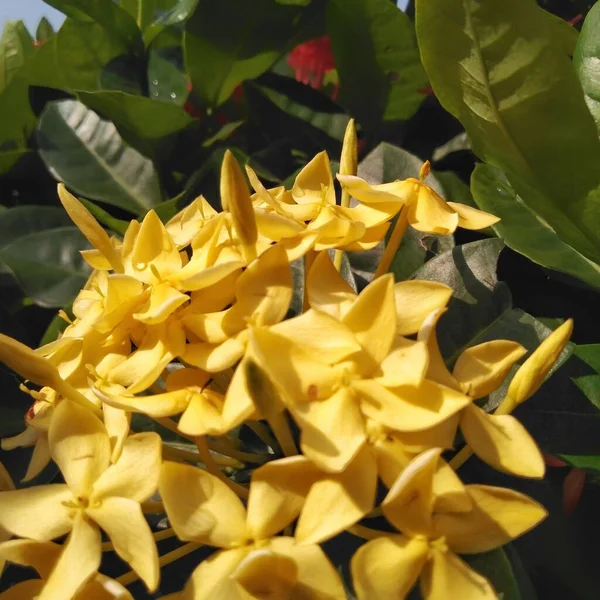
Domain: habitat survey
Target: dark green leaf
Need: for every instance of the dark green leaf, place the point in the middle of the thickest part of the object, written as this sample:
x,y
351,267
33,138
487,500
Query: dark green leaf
x,y
118,226
57,326
16,44
222,134
179,13
166,81
587,61
377,60
221,51
508,105
525,231
88,154
41,247
588,463
9,158
44,30
14,101
589,383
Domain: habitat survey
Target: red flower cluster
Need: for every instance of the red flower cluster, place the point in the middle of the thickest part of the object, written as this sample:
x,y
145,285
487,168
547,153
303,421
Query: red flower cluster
x,y
312,60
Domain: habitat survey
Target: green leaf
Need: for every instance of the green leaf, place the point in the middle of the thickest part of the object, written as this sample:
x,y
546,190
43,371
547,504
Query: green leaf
x,y
10,158
230,41
88,154
166,81
41,247
587,61
16,44
118,226
44,30
498,68
57,326
14,101
589,462
179,13
589,383
109,15
526,232
377,60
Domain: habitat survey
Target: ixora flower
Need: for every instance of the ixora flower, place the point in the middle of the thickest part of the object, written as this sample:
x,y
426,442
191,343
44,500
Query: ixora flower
x,y
43,557
96,495
438,522
251,563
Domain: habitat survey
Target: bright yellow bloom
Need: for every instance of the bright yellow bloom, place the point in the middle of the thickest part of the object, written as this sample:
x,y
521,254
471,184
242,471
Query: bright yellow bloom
x,y
427,210
439,519
96,495
252,563
43,557
499,440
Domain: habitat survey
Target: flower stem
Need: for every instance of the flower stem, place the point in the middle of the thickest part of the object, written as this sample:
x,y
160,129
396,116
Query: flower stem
x,y
281,428
230,451
262,432
150,507
178,454
309,259
213,468
461,458
68,391
366,533
393,244
164,560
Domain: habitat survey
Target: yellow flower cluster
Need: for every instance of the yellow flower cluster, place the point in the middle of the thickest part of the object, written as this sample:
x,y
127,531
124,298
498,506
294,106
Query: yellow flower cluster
x,y
186,324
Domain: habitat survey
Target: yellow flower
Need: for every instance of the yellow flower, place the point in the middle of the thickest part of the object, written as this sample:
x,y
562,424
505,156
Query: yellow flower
x,y
334,375
252,563
439,519
43,557
96,495
499,440
427,210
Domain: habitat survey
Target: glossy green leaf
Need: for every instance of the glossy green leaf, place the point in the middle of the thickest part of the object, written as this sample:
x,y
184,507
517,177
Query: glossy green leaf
x,y
41,246
221,51
590,462
16,44
145,12
526,232
166,81
178,13
88,154
44,30
377,60
589,383
14,101
118,226
587,61
497,67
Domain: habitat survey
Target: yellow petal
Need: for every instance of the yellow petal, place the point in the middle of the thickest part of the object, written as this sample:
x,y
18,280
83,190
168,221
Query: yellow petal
x,y
296,248
276,227
95,259
415,300
327,290
450,493
203,416
265,573
186,223
215,357
80,446
392,458
88,225
37,512
349,155
117,424
78,562
498,516
446,571
481,369
372,317
431,214
314,183
316,577
103,588
398,192
238,405
209,512
333,430
388,567
215,297
135,474
277,494
124,523
373,215
337,501
24,590
194,280
164,300
318,334
156,405
6,482
409,408
502,442
409,502
472,218
533,371
29,553
371,238
406,364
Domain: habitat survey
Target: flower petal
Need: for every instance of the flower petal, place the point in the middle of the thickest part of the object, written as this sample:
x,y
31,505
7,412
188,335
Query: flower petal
x,y
431,214
164,300
208,512
264,573
337,501
103,588
78,562
39,459
37,512
314,183
79,445
24,590
446,571
135,474
399,192
372,317
28,553
124,523
117,424
472,218
481,369
333,430
215,357
498,516
415,300
277,494
406,364
388,567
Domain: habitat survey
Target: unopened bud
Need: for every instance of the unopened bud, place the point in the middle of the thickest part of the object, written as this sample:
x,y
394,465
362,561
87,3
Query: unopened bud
x,y
349,158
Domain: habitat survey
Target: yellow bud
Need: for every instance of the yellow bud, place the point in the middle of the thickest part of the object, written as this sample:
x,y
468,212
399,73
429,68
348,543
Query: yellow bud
x,y
349,158
425,170
23,360
90,228
533,371
235,198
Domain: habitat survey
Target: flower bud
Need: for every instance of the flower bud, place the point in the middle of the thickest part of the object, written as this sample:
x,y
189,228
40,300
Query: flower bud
x,y
349,158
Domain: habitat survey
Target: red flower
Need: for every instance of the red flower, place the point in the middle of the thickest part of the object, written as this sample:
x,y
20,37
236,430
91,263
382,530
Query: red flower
x,y
312,60
573,483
